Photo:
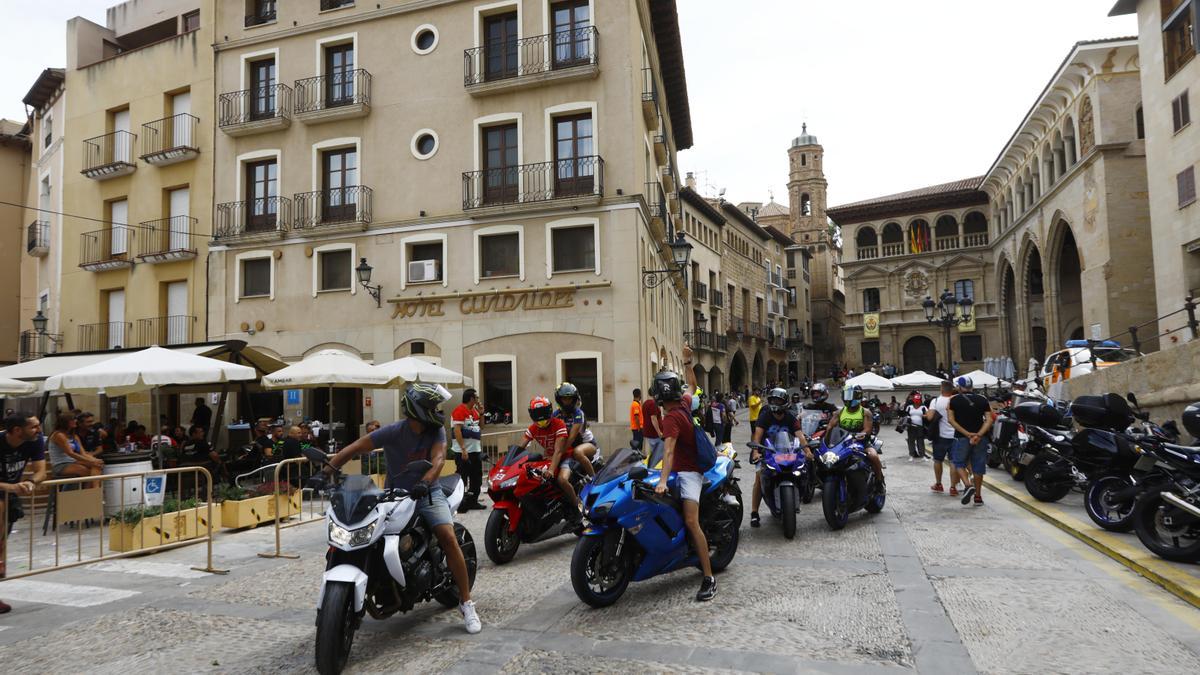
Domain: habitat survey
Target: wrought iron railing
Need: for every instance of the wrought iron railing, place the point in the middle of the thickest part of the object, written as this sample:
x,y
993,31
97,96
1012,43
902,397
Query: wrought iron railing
x,y
737,325
252,216
523,57
170,136
756,329
34,345
716,298
707,340
333,206
546,181
165,330
334,4
656,199
108,150
254,105
264,12
795,343
108,335
105,246
37,237
166,236
699,291
649,86
327,92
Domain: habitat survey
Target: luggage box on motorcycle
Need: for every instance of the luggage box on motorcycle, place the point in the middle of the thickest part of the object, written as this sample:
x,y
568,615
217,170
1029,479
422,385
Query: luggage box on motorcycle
x,y
1109,411
1038,414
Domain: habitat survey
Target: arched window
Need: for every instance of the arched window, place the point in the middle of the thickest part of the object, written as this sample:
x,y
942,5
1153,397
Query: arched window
x,y
947,233
1069,141
975,230
1139,122
1047,167
866,244
893,239
803,159
1060,157
919,236
871,300
805,205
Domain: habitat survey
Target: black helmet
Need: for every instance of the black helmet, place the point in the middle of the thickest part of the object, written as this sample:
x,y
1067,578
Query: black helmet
x,y
421,403
567,396
667,386
1191,419
777,400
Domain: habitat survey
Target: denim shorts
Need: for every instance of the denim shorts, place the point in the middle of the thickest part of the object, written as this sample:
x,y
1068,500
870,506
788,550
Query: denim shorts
x,y
941,448
975,455
435,509
690,483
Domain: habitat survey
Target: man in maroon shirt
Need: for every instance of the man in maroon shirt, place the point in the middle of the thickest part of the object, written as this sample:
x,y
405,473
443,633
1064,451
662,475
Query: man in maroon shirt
x,y
651,426
680,456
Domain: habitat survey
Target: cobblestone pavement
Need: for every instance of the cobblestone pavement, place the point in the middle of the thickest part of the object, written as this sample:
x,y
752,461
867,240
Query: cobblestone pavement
x,y
927,586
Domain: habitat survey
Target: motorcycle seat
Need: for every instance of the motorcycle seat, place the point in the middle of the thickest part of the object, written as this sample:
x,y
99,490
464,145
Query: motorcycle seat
x,y
1183,449
449,484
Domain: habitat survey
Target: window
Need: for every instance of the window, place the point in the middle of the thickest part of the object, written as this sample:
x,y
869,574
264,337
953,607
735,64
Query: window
x,y
1185,183
964,289
573,161
334,270
256,278
805,205
424,144
47,131
501,179
335,4
497,388
261,11
262,89
573,249
500,46
419,257
803,159
572,33
870,352
339,75
340,169
424,39
584,374
191,21
971,347
262,189
417,347
1179,44
871,300
499,255
1140,123
1181,114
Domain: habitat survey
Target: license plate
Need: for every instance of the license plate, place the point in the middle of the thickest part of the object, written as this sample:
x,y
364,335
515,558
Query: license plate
x,y
1145,463
1027,458
785,457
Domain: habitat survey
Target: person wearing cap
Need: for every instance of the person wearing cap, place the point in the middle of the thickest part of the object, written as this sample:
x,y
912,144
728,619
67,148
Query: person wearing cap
x,y
970,415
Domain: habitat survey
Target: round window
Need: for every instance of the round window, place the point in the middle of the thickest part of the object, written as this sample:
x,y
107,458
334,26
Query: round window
x,y
424,39
424,144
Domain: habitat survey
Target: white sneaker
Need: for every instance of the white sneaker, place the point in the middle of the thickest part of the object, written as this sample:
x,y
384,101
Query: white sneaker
x,y
470,618
910,459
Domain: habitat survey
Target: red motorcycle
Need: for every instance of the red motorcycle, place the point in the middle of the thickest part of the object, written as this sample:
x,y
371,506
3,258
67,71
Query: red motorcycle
x,y
527,507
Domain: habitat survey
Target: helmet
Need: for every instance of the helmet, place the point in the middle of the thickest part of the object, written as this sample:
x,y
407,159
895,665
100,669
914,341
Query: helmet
x,y
696,398
667,386
421,403
819,392
567,396
540,410
917,398
777,400
964,382
1191,419
852,395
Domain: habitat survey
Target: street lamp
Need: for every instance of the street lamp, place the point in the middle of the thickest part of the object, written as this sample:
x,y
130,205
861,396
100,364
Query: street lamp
x,y
39,322
364,277
942,313
681,254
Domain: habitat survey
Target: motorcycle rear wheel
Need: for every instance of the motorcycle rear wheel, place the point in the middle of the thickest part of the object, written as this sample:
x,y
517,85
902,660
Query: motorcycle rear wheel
x,y
1163,540
449,598
787,510
335,628
1041,485
1015,471
837,510
500,543
809,489
584,563
1114,518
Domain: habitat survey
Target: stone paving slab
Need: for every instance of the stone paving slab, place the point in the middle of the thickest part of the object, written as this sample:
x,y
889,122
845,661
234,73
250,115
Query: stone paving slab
x,y
984,544
540,661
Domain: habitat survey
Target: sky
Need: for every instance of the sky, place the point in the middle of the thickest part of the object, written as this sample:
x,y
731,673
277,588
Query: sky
x,y
900,94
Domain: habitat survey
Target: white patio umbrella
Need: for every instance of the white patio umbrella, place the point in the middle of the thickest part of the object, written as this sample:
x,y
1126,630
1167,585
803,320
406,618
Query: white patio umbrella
x,y
15,387
413,369
982,379
147,369
870,382
327,368
916,380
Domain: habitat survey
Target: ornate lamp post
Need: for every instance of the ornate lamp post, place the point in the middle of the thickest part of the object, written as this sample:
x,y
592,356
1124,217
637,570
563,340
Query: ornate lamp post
x,y
681,254
941,313
364,277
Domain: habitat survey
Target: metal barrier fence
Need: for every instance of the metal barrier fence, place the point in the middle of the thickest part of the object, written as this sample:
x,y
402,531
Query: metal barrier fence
x,y
132,527
495,444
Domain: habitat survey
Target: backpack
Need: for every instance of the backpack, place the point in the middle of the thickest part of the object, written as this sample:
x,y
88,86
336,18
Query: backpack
x,y
706,454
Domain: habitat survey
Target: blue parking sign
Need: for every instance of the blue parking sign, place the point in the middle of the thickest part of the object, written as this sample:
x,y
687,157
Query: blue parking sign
x,y
293,397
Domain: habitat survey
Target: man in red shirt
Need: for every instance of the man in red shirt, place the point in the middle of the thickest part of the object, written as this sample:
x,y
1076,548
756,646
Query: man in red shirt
x,y
550,432
467,437
651,427
680,456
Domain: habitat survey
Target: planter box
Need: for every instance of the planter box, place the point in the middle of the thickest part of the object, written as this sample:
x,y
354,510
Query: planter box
x,y
192,523
123,537
237,514
379,479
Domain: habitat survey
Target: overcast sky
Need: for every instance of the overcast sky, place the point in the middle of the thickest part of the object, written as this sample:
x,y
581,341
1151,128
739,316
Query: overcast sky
x,y
900,94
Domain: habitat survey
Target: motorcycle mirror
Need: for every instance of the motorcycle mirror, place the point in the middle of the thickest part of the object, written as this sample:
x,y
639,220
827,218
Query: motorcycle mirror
x,y
1132,399
639,472
314,455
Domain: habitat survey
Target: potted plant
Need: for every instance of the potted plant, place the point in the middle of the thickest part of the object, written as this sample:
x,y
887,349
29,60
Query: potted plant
x,y
241,507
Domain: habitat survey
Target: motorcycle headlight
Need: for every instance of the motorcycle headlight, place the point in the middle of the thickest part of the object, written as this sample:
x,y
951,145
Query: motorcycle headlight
x,y
510,483
343,537
829,458
599,512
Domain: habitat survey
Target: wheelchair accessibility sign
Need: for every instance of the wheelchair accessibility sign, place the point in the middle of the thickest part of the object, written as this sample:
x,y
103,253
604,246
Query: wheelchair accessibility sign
x,y
153,488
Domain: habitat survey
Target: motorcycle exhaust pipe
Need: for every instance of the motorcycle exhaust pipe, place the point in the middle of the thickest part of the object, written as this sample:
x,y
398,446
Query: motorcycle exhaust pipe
x,y
1174,500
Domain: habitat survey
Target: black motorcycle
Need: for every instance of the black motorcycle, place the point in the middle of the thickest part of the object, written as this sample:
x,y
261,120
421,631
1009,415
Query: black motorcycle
x,y
1166,517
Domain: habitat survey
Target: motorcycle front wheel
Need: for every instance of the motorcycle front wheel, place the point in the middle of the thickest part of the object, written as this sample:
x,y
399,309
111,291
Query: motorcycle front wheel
x,y
1043,484
499,541
787,509
1177,541
595,586
722,533
335,628
450,598
1097,502
835,502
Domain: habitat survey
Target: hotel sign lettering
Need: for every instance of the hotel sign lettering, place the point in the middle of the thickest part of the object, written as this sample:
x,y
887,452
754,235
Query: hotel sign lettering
x,y
486,303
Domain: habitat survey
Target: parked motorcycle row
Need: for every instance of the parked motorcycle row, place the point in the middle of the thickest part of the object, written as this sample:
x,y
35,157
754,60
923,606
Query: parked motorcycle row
x,y
1134,474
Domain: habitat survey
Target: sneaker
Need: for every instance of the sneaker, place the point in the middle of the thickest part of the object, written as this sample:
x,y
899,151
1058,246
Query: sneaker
x,y
953,491
470,617
708,589
937,487
754,520
925,457
978,500
910,459
967,494
5,608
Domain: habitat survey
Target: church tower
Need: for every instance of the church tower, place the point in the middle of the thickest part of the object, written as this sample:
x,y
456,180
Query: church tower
x,y
806,189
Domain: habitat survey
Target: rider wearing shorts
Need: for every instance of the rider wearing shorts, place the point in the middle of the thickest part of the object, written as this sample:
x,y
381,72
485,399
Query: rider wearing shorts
x,y
550,432
777,418
581,443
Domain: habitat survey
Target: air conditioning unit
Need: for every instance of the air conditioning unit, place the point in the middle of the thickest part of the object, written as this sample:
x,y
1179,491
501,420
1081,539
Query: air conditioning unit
x,y
423,270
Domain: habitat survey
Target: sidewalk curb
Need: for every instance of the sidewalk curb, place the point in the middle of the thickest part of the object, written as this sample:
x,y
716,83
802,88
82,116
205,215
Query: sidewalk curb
x,y
1138,560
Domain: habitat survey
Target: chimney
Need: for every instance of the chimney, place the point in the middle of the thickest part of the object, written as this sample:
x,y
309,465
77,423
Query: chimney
x,y
691,181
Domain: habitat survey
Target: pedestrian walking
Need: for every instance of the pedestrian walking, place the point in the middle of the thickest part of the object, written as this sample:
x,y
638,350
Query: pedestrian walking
x,y
915,408
635,418
717,408
731,419
21,444
937,427
970,415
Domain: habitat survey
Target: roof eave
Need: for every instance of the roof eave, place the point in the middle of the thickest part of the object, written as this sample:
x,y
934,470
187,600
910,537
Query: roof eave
x,y
1124,7
665,18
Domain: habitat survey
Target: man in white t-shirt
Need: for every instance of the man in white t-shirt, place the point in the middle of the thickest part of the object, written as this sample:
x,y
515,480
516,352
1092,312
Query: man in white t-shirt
x,y
943,440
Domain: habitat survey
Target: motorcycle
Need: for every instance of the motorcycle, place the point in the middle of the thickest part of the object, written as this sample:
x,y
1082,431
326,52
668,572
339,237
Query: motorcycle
x,y
786,479
527,508
636,534
1166,517
849,482
382,559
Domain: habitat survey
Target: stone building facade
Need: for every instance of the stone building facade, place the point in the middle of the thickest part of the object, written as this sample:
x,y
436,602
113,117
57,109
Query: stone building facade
x,y
14,181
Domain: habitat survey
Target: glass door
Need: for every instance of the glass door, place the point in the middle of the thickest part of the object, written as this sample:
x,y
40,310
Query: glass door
x,y
501,181
262,89
339,75
572,33
341,179
180,224
262,185
500,46
574,166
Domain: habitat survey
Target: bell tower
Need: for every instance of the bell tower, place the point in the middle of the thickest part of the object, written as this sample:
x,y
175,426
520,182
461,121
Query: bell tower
x,y
806,189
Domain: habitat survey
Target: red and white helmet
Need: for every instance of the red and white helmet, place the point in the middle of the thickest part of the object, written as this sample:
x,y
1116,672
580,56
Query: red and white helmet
x,y
540,410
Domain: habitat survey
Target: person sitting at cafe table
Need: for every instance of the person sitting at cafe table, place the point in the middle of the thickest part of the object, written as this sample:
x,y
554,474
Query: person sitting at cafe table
x,y
67,457
93,435
140,438
197,452
163,438
276,441
265,445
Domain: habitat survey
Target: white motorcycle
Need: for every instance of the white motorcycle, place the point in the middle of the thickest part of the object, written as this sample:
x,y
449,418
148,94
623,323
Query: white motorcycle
x,y
382,559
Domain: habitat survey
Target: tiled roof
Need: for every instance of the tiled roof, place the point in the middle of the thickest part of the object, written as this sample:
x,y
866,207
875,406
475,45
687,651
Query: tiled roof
x,y
773,208
931,191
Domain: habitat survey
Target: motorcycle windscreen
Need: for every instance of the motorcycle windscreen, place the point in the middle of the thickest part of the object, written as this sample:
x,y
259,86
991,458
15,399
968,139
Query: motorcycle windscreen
x,y
782,441
515,453
354,499
835,436
810,420
620,465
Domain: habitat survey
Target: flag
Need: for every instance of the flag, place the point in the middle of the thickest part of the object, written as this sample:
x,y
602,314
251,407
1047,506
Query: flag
x,y
871,325
966,326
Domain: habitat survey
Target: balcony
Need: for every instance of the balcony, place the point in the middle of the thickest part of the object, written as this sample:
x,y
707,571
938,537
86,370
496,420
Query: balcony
x,y
737,325
777,342
255,111
716,299
699,292
656,199
893,249
170,140
165,330
335,207
109,156
34,345
650,110
103,250
37,238
166,239
707,341
668,178
975,239
531,62
949,243
95,337
340,96
259,18
662,153
869,253
581,179
261,217
795,343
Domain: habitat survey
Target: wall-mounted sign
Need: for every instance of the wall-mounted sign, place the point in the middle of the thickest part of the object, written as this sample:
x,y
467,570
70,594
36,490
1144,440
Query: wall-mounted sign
x,y
488,302
293,397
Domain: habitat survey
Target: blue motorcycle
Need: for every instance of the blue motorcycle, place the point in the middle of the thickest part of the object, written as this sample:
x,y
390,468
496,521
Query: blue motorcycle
x,y
786,479
635,534
849,482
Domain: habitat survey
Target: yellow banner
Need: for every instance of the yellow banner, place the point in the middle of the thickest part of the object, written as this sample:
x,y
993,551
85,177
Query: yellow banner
x,y
871,325
966,326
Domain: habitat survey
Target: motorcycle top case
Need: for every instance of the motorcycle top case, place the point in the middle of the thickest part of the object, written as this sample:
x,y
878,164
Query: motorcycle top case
x,y
1038,414
1109,411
